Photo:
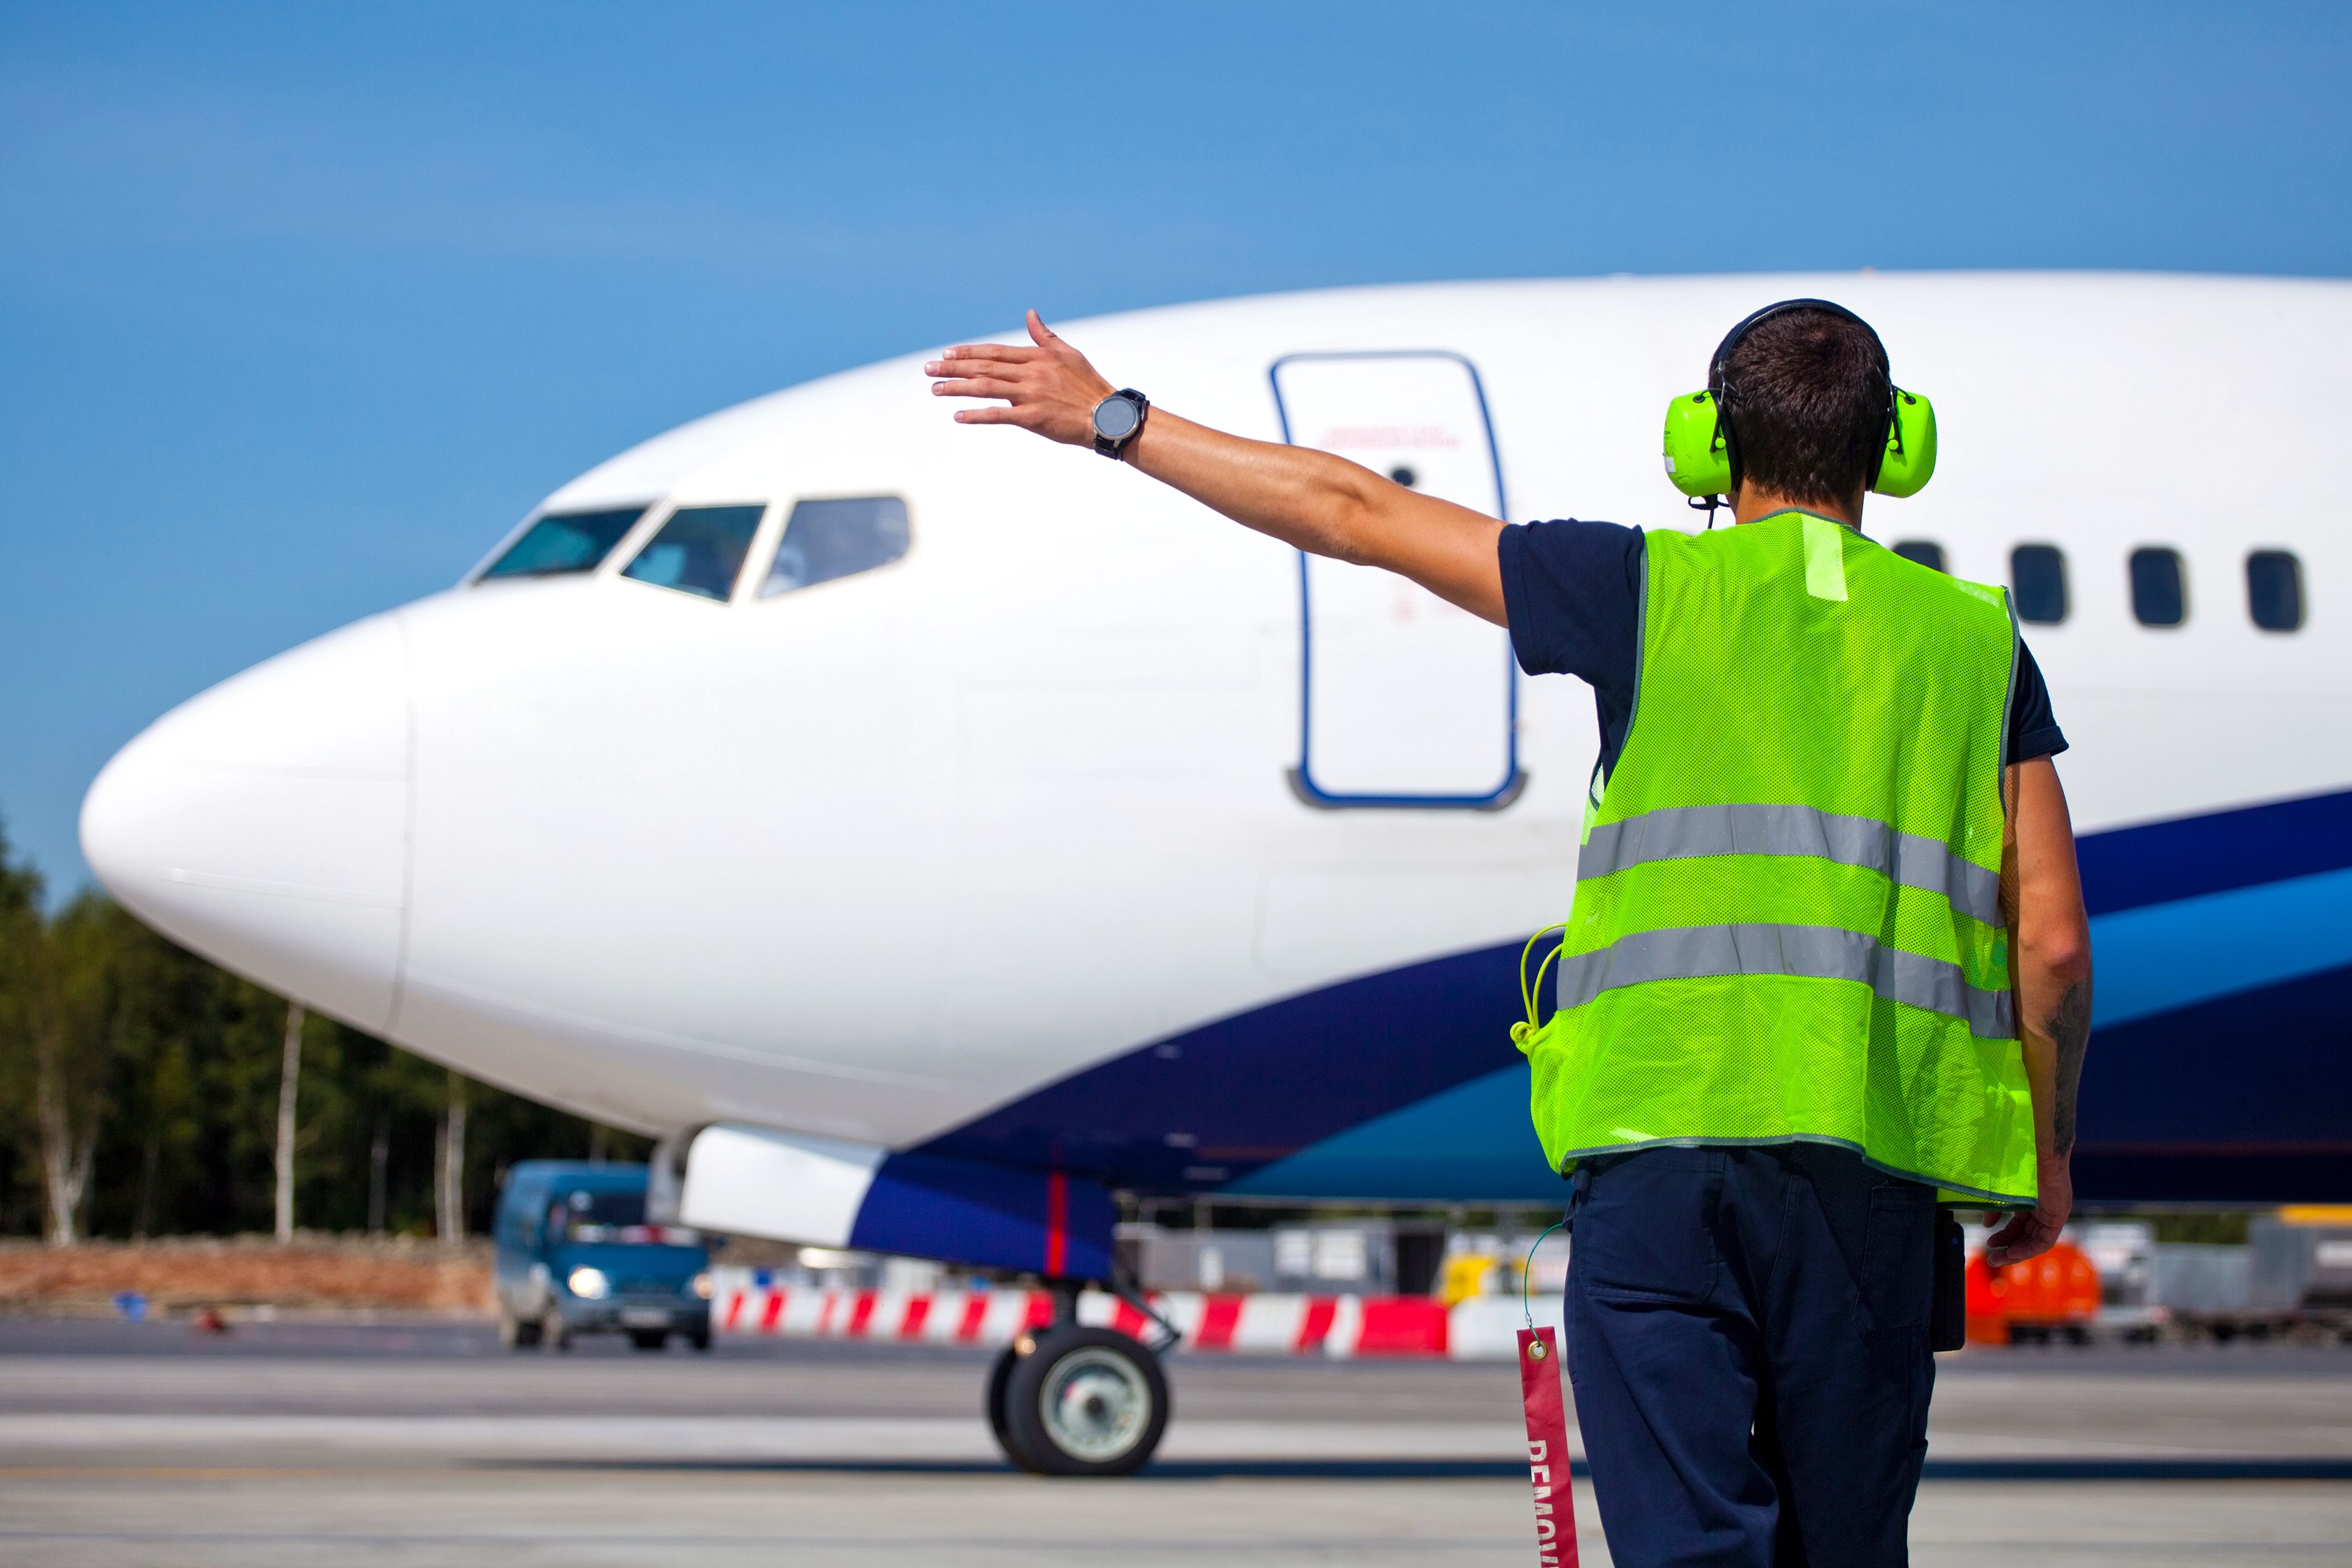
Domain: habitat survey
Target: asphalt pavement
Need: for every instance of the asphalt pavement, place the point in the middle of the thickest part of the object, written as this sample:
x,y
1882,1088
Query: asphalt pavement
x,y
419,1441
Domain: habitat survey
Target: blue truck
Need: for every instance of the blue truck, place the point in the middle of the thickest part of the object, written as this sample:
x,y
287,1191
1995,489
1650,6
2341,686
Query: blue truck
x,y
575,1256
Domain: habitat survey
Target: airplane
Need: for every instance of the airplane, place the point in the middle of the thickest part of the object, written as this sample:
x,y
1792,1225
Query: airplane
x,y
931,836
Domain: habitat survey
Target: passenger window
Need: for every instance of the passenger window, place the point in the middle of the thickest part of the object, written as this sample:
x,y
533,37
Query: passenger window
x,y
2037,575
2159,596
830,538
2275,590
1925,552
699,550
566,542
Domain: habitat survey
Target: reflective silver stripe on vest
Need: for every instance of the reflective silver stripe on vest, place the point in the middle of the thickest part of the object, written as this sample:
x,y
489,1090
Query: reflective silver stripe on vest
x,y
1689,831
1819,952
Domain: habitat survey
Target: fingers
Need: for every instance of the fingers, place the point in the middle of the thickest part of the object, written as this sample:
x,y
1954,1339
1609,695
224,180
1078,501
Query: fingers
x,y
997,414
976,386
1007,353
986,369
1039,332
2026,1236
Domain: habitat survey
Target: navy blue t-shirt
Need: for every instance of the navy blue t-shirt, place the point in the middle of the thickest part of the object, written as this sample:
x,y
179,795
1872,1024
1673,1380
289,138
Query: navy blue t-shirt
x,y
1574,591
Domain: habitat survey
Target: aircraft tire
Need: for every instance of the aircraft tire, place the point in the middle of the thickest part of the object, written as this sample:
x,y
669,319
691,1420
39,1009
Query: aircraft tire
x,y
1000,1378
1083,1402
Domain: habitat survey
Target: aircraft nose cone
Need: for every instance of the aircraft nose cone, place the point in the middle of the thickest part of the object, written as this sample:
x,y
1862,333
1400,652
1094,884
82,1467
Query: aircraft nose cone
x,y
265,823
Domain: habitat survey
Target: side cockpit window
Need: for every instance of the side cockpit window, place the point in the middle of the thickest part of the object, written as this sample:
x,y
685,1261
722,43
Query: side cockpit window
x,y
830,538
564,542
699,550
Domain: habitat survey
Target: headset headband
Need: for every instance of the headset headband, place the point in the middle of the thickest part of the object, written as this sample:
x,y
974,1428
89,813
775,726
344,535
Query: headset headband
x,y
1723,351
1724,391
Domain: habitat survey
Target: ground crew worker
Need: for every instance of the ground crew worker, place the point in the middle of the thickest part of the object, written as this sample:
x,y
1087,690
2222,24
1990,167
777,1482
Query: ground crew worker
x,y
1828,953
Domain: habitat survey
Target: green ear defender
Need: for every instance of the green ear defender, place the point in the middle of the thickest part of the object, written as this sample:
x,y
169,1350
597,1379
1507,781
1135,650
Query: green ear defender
x,y
1701,456
1910,459
1696,459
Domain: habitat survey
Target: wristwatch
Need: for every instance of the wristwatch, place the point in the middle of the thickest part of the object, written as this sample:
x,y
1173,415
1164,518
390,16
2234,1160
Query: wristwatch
x,y
1117,419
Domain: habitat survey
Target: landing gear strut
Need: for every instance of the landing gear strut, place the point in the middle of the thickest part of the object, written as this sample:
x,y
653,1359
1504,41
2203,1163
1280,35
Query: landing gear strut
x,y
1074,1400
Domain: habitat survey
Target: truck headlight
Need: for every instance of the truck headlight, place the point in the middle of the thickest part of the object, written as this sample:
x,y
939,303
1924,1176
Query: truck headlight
x,y
589,1284
701,1285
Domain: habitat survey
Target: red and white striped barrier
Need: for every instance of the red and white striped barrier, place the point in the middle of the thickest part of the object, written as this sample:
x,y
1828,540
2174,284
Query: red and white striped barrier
x,y
748,1301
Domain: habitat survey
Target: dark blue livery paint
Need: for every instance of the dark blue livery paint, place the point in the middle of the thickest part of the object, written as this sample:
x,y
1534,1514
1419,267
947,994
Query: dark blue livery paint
x,y
987,1214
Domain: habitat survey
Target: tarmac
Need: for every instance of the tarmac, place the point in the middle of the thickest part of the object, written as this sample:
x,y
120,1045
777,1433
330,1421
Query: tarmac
x,y
421,1442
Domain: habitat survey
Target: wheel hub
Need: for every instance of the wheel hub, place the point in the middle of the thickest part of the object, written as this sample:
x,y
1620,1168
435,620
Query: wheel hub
x,y
1095,1404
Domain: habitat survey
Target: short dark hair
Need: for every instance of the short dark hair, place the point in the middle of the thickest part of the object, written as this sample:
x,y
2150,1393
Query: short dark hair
x,y
1807,394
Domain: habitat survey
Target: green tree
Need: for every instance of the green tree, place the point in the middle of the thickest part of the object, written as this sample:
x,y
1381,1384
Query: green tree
x,y
81,1012
24,959
149,1159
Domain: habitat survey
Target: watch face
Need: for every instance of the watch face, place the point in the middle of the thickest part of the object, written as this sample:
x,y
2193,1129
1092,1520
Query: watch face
x,y
1114,418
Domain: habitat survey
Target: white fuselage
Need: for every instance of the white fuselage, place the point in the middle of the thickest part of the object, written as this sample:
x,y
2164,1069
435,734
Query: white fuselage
x,y
868,859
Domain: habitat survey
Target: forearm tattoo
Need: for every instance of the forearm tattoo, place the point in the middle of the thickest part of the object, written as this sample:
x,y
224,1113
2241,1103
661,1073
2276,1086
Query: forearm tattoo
x,y
2068,1028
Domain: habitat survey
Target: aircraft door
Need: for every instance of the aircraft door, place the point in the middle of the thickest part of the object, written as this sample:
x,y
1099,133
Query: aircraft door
x,y
1406,700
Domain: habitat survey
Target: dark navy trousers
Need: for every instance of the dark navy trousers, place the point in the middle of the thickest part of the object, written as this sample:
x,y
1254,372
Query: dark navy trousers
x,y
1747,1341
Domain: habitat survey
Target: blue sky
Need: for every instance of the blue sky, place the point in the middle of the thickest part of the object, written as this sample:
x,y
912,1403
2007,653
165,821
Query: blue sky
x,y
300,306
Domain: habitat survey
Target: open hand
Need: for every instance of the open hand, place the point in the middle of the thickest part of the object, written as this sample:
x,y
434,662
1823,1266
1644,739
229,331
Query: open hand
x,y
1050,388
2035,1232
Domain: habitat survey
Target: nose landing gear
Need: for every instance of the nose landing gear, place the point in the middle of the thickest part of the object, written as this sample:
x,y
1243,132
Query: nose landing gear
x,y
1076,1401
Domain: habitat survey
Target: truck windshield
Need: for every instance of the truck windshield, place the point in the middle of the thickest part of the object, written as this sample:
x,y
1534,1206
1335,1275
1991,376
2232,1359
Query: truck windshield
x,y
586,1215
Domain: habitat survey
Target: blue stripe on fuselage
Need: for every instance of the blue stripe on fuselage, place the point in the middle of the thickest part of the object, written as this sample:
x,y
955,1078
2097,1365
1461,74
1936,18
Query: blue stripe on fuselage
x,y
1473,1143
2163,957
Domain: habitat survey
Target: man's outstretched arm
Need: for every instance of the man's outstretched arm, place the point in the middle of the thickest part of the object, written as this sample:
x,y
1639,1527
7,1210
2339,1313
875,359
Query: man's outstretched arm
x,y
1322,504
2051,946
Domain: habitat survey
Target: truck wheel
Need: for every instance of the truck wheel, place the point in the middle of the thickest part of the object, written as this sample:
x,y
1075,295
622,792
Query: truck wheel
x,y
699,1339
516,1334
648,1339
1083,1402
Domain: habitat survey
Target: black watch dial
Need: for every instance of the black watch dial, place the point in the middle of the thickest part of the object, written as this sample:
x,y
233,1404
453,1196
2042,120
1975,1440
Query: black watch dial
x,y
1116,418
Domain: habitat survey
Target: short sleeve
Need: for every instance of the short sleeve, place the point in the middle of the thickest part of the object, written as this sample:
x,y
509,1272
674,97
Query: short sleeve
x,y
1572,592
2033,726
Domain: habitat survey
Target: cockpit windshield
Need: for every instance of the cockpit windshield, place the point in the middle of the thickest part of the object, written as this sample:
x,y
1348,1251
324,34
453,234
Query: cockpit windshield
x,y
699,550
830,538
565,542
